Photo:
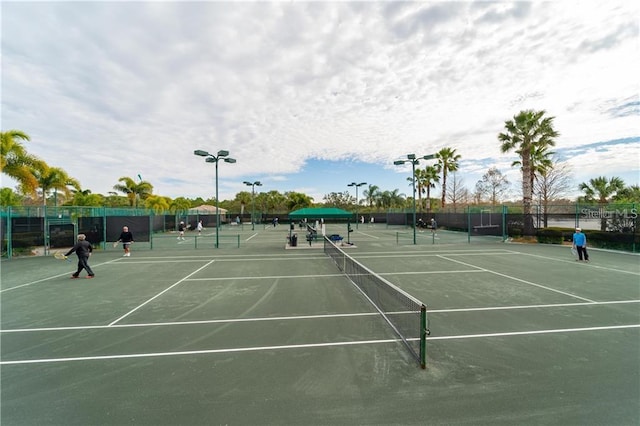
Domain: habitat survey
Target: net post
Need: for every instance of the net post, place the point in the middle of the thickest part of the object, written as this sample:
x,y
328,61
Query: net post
x,y
423,336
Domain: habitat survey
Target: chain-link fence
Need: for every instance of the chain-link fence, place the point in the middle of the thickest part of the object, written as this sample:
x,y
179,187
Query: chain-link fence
x,y
31,230
28,230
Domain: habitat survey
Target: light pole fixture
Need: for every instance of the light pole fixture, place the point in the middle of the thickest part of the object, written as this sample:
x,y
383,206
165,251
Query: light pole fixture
x,y
357,185
210,158
411,158
253,204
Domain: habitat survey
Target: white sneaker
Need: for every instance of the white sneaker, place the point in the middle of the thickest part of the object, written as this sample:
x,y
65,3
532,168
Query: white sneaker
x,y
128,254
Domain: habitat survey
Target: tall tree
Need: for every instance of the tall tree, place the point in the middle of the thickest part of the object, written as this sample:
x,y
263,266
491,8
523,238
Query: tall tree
x,y
86,198
430,178
134,190
370,194
9,198
53,179
529,134
391,199
274,201
423,182
15,161
458,193
179,204
494,184
340,200
157,203
553,183
447,162
600,190
297,200
628,194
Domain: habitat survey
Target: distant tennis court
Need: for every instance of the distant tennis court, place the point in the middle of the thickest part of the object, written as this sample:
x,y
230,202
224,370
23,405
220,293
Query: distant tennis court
x,y
253,333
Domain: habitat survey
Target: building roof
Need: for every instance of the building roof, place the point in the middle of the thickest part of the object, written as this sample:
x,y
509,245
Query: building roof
x,y
206,208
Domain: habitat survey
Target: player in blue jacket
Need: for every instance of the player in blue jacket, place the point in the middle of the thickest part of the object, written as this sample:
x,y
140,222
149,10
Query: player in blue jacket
x,y
580,244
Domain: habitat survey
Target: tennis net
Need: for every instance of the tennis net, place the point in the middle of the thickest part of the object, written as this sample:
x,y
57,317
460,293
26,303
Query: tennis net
x,y
406,315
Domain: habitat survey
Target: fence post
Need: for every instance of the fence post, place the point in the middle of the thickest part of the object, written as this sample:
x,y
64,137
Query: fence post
x,y
468,224
505,234
104,228
635,230
9,236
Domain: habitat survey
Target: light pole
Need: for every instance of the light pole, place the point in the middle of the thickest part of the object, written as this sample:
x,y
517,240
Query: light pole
x,y
357,185
411,158
210,158
253,203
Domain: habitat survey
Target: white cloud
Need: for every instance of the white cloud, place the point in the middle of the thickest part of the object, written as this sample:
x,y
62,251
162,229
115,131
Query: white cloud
x,y
116,89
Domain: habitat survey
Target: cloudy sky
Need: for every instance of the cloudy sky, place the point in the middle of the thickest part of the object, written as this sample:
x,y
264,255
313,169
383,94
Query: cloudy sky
x,y
310,96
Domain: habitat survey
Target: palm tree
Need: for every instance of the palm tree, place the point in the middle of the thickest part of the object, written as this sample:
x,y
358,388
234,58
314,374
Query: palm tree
x,y
86,198
541,164
15,161
157,203
134,190
629,194
430,178
447,162
600,189
419,180
297,200
243,198
53,178
530,134
179,204
391,199
371,194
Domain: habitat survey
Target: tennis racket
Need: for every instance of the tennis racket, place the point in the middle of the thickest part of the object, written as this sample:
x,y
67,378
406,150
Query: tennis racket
x,y
60,256
115,244
574,252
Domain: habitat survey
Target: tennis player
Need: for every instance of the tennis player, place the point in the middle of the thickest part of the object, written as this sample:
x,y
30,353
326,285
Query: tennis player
x,y
181,229
580,244
83,250
126,238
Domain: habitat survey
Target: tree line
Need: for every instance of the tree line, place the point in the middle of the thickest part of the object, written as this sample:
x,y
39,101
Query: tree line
x,y
530,134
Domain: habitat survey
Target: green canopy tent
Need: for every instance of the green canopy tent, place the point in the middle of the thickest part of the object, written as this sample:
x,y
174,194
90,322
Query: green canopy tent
x,y
322,213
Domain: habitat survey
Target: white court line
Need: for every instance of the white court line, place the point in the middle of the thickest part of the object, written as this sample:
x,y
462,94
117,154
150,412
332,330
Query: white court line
x,y
161,293
555,305
523,333
198,322
313,345
322,316
432,254
271,277
573,262
521,280
54,277
251,237
185,259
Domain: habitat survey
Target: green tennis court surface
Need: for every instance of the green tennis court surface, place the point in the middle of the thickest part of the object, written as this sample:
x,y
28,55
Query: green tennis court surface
x,y
251,333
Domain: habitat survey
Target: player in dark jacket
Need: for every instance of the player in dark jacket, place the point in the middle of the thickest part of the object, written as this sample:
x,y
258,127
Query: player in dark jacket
x,y
83,250
126,237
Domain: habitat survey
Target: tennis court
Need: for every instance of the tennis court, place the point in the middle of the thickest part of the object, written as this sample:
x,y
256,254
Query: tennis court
x,y
251,333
